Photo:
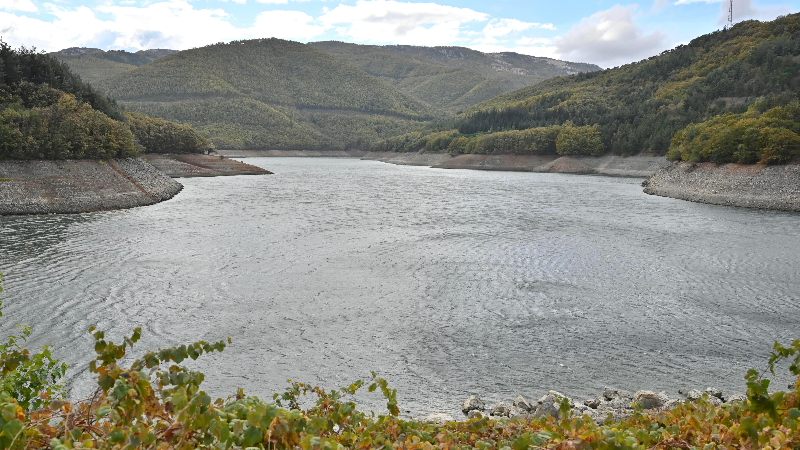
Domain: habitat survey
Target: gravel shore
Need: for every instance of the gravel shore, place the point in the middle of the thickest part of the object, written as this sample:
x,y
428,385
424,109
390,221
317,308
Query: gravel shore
x,y
68,187
749,186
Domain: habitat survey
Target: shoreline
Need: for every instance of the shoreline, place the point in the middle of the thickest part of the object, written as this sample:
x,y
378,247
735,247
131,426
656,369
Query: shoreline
x,y
746,186
82,186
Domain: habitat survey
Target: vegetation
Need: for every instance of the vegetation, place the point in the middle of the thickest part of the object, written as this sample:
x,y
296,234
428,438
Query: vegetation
x,y
154,403
640,107
757,136
94,65
450,79
160,136
47,112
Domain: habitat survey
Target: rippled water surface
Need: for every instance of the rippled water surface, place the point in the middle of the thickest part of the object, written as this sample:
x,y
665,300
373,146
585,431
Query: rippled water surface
x,y
444,282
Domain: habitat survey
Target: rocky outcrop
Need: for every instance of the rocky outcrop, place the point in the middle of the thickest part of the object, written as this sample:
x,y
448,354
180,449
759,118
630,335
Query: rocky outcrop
x,y
632,166
64,187
613,403
750,186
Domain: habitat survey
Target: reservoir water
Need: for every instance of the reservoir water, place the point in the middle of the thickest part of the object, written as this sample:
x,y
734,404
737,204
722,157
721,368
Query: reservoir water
x,y
446,283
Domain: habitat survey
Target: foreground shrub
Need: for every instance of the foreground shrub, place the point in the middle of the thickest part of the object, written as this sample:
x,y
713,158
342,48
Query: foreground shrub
x,y
157,404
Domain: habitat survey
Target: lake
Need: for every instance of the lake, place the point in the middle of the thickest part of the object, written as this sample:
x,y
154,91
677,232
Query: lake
x,y
444,282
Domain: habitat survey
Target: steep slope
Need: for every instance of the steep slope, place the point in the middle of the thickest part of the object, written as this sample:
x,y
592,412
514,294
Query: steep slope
x,y
638,107
268,93
450,78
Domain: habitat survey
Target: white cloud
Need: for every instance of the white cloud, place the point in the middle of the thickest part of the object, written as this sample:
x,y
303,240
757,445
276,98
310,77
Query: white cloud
x,y
287,25
168,24
497,28
609,38
386,21
18,5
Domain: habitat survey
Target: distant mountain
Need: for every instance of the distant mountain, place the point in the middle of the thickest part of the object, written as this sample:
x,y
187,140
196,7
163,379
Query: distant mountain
x,y
268,93
94,64
736,74
450,79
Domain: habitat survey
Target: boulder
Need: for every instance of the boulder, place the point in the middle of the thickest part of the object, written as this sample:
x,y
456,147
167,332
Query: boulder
x,y
693,395
594,404
610,394
648,399
473,403
670,404
736,398
553,397
502,409
439,418
476,414
546,409
523,404
714,392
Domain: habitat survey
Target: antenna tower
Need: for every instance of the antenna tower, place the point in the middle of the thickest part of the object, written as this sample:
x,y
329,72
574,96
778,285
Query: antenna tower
x,y
730,13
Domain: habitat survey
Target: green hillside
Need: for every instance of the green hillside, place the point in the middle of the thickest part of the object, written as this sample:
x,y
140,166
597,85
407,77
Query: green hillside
x,y
451,79
94,65
48,112
639,107
268,93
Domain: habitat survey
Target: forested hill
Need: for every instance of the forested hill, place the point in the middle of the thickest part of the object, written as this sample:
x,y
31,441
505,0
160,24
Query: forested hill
x,y
48,112
94,65
744,71
450,78
267,94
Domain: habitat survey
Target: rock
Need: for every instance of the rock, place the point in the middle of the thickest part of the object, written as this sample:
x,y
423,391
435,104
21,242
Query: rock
x,y
714,392
594,404
714,400
552,397
519,413
546,409
736,398
670,404
610,394
439,418
473,403
648,399
692,395
476,414
523,404
502,409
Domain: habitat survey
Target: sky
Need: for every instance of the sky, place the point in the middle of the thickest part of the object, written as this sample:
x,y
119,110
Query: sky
x,y
604,32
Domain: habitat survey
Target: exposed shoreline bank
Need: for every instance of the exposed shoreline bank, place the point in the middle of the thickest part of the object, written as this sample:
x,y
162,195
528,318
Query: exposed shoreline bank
x,y
748,186
630,166
81,186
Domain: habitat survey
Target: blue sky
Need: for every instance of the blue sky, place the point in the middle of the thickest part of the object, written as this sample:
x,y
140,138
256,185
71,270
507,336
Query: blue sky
x,y
604,32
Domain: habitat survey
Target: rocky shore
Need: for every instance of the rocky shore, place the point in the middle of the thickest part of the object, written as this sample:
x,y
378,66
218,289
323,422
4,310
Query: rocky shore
x,y
67,187
611,403
79,186
750,186
631,166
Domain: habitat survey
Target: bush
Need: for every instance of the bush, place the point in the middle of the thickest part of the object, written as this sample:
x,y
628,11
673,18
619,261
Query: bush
x,y
583,140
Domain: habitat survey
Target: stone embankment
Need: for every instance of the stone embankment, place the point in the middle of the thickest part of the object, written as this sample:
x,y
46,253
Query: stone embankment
x,y
71,187
67,187
613,403
751,186
631,166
